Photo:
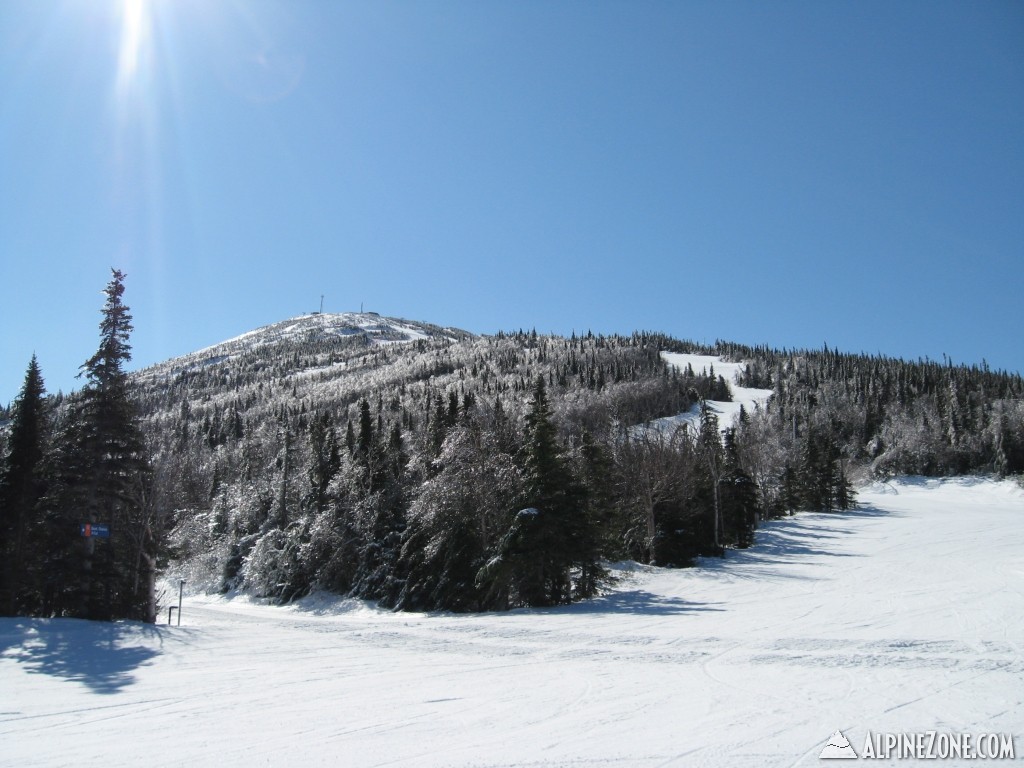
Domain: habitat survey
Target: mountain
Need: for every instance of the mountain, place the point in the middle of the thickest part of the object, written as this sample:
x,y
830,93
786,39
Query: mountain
x,y
342,440
365,327
312,341
389,459
333,359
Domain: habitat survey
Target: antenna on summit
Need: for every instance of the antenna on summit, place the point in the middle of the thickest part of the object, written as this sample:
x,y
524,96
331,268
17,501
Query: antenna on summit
x,y
321,303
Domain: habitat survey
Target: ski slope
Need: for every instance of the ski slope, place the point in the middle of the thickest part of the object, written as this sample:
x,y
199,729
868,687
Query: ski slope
x,y
727,412
904,615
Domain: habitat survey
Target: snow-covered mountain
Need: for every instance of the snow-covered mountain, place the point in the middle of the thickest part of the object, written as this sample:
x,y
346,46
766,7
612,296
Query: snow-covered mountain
x,y
368,325
272,444
361,328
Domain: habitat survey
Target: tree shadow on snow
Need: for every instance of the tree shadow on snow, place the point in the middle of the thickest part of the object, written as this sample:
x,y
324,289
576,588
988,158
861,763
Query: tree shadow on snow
x,y
643,602
634,601
864,510
787,546
101,656
793,540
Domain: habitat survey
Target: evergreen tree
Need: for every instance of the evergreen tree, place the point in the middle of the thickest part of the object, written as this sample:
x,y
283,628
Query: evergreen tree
x,y
350,438
284,462
738,498
709,446
438,429
551,538
454,523
789,489
814,475
101,477
598,475
844,495
382,509
364,443
21,487
325,460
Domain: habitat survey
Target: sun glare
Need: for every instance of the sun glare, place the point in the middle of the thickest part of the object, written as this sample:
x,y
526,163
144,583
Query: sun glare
x,y
134,23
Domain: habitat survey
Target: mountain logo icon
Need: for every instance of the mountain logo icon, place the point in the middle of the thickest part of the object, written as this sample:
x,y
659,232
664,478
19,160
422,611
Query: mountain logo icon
x,y
838,748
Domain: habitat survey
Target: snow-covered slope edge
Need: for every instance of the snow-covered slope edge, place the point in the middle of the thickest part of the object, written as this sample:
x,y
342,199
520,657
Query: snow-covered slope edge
x,y
905,615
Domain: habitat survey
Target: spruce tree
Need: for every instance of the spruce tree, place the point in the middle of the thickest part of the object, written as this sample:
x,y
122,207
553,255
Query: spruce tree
x,y
738,498
21,487
789,490
101,478
814,474
552,538
325,460
597,472
364,444
844,495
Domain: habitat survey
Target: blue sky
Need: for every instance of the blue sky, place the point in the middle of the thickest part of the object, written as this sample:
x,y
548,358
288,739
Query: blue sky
x,y
791,173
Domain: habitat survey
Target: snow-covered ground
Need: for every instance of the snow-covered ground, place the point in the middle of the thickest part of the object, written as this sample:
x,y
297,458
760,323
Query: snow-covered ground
x,y
904,615
727,412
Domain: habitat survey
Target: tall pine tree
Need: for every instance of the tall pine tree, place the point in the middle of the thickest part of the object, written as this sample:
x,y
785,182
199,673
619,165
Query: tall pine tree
x,y
550,554
21,487
101,478
740,508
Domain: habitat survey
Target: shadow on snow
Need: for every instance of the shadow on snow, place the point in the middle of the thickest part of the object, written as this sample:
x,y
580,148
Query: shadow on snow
x,y
636,601
102,656
788,541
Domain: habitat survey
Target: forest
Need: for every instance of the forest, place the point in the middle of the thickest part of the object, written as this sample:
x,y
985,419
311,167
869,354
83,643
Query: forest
x,y
427,468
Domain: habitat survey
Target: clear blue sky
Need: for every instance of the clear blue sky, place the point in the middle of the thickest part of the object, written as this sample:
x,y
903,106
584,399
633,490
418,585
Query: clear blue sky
x,y
789,173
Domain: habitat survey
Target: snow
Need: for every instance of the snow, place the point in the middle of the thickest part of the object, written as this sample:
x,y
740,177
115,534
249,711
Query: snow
x,y
727,412
380,331
904,615
338,324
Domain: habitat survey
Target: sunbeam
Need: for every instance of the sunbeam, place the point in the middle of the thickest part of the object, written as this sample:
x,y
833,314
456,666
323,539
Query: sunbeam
x,y
134,30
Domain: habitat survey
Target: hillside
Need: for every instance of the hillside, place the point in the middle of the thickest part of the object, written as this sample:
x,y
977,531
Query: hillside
x,y
320,435
318,330
754,660
428,468
387,459
310,349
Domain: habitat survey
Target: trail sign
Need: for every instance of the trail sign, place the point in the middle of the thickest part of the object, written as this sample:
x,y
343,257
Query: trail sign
x,y
98,530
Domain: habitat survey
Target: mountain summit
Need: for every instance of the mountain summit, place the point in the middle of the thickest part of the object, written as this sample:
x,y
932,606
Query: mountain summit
x,y
368,325
343,329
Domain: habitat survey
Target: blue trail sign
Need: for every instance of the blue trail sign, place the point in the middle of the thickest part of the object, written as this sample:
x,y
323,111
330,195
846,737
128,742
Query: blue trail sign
x,y
99,530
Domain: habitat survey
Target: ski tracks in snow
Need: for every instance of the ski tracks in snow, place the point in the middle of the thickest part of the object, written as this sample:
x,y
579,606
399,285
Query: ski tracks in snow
x,y
904,615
